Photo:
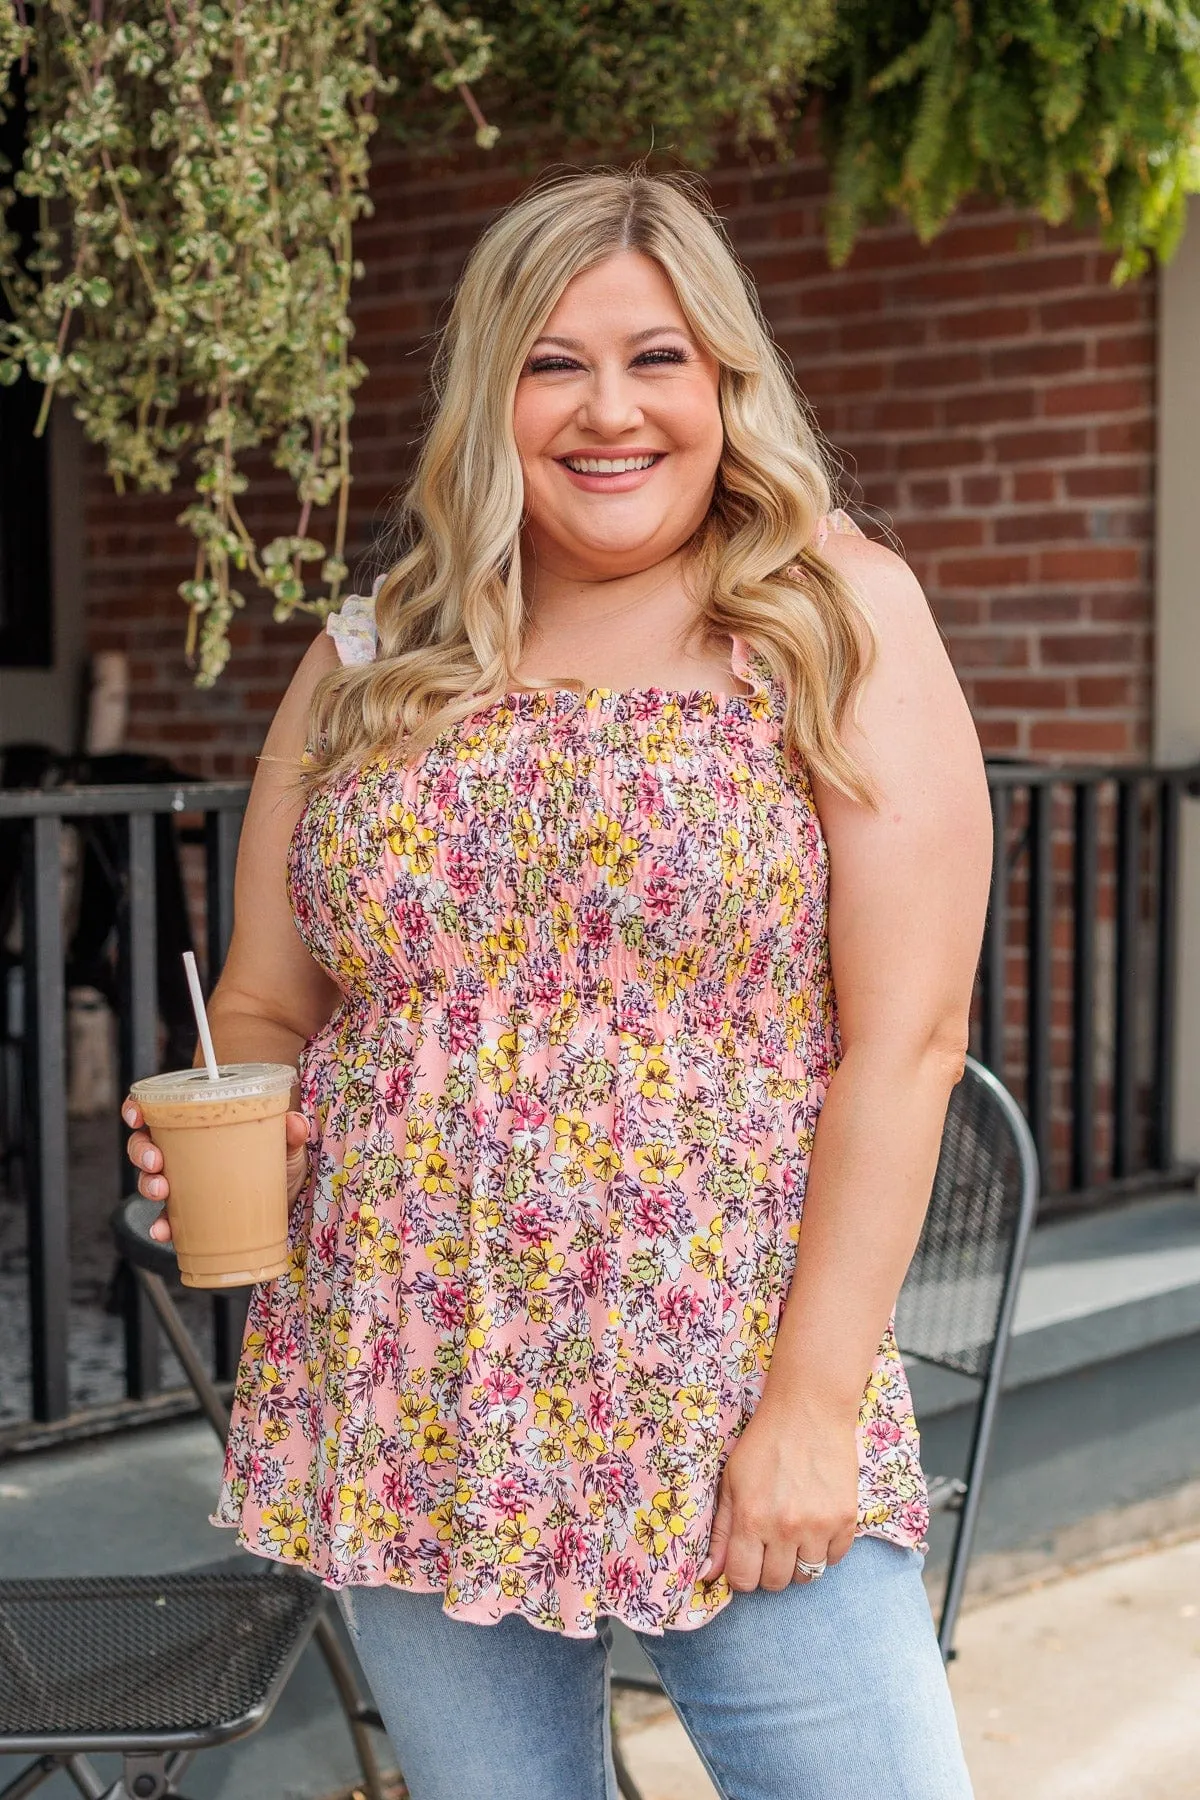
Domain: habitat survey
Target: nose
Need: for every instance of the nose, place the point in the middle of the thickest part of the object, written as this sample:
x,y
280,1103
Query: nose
x,y
610,406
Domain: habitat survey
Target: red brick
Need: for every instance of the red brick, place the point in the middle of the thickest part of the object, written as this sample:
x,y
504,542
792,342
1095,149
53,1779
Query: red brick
x,y
1039,527
1105,480
1041,445
1080,737
1027,693
982,490
990,406
984,571
1052,356
1032,485
1078,649
955,532
1109,562
1107,691
1135,350
1093,397
985,324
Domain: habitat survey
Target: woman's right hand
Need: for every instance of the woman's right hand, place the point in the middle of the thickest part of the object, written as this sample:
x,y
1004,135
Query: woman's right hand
x,y
147,1159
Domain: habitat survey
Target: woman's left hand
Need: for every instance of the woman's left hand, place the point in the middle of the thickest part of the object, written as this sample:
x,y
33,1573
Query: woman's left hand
x,y
789,1489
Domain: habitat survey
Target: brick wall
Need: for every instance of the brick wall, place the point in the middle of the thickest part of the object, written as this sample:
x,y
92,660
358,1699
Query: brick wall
x,y
991,396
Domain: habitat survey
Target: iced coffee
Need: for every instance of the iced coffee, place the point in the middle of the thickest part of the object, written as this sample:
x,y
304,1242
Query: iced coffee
x,y
224,1151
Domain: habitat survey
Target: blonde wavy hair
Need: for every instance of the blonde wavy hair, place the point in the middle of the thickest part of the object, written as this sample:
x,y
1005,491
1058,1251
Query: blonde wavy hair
x,y
451,614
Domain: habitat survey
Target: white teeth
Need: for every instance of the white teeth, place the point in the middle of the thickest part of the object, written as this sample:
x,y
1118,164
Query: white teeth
x,y
605,465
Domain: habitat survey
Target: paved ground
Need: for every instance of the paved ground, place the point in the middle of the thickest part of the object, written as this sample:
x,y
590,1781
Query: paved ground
x,y
1086,1688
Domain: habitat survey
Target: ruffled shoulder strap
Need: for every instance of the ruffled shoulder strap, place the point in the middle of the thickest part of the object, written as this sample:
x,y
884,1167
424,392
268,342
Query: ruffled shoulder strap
x,y
353,628
838,520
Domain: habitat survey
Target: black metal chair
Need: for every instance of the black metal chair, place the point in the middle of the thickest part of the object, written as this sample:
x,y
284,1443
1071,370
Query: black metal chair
x,y
151,1667
154,1265
958,1300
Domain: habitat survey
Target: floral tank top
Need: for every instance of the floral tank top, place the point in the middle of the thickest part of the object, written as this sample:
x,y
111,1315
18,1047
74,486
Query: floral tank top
x,y
562,1119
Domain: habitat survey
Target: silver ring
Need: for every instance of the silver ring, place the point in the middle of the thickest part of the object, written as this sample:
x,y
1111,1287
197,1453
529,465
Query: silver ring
x,y
812,1571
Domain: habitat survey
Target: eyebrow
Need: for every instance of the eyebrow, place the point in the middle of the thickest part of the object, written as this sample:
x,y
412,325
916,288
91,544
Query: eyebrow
x,y
636,337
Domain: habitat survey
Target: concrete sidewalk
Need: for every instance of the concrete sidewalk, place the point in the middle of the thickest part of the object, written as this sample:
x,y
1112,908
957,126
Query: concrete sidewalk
x,y
1082,1688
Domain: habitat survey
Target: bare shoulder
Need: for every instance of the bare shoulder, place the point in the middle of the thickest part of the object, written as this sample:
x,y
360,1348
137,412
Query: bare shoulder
x,y
893,597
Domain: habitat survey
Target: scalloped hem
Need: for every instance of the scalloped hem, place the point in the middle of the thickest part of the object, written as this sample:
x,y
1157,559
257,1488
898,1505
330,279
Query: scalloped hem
x,y
492,1611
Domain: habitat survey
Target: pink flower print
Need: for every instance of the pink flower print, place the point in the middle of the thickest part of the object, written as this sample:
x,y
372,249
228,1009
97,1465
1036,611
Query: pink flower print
x,y
449,1304
570,1545
462,872
412,925
528,1221
883,1433
600,1411
661,892
595,1268
508,1496
397,1489
528,1113
327,1506
651,1213
679,1307
462,1020
623,1577
397,1085
912,1516
595,925
501,1386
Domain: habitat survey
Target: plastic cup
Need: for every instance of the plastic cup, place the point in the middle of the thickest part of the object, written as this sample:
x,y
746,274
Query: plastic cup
x,y
224,1150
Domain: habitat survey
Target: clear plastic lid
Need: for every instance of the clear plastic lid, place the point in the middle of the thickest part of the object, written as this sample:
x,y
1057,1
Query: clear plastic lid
x,y
238,1081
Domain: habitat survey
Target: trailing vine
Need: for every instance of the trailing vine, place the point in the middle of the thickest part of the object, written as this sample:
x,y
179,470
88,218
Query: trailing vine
x,y
212,159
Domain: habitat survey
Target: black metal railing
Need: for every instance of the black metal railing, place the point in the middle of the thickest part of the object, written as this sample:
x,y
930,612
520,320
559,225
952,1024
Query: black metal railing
x,y
127,829
1075,1008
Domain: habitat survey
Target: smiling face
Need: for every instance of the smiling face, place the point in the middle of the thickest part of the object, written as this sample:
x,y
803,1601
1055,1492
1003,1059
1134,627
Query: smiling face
x,y
618,425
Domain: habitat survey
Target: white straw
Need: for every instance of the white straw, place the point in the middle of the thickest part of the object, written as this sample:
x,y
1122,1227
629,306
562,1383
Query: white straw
x,y
206,1043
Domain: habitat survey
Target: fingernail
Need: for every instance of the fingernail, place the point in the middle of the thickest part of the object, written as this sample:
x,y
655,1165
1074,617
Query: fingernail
x,y
705,1566
128,1114
147,1159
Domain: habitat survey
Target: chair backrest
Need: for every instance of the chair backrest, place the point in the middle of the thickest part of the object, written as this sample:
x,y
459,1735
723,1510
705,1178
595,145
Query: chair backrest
x,y
959,1292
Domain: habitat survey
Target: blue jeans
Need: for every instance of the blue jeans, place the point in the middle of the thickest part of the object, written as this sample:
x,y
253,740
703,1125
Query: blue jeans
x,y
832,1690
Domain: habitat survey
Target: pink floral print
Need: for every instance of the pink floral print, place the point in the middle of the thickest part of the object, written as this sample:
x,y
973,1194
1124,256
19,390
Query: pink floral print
x,y
562,1121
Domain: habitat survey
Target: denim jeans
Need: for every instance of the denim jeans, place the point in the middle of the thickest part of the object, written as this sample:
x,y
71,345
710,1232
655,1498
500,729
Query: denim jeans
x,y
831,1690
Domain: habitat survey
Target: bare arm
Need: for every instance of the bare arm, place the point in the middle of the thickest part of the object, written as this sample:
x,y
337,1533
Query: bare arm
x,y
908,896
271,996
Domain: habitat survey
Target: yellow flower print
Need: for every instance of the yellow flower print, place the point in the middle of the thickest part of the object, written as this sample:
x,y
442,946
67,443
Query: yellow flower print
x,y
654,1527
733,855
433,1174
584,1444
497,1061
571,1131
655,1077
602,1161
276,1431
433,1443
525,837
449,1254
285,1524
503,949
389,1254
758,1320
413,1414
564,1018
612,848
540,1263
380,928
658,1163
563,928
878,1513
514,1537
513,1583
552,1406
707,1250
673,974
699,1403
411,840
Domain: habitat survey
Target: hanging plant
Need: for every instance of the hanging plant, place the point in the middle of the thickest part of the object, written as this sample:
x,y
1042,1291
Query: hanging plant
x,y
1084,111
211,161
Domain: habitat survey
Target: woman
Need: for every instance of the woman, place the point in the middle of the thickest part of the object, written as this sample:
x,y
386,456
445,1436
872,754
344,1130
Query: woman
x,y
638,757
